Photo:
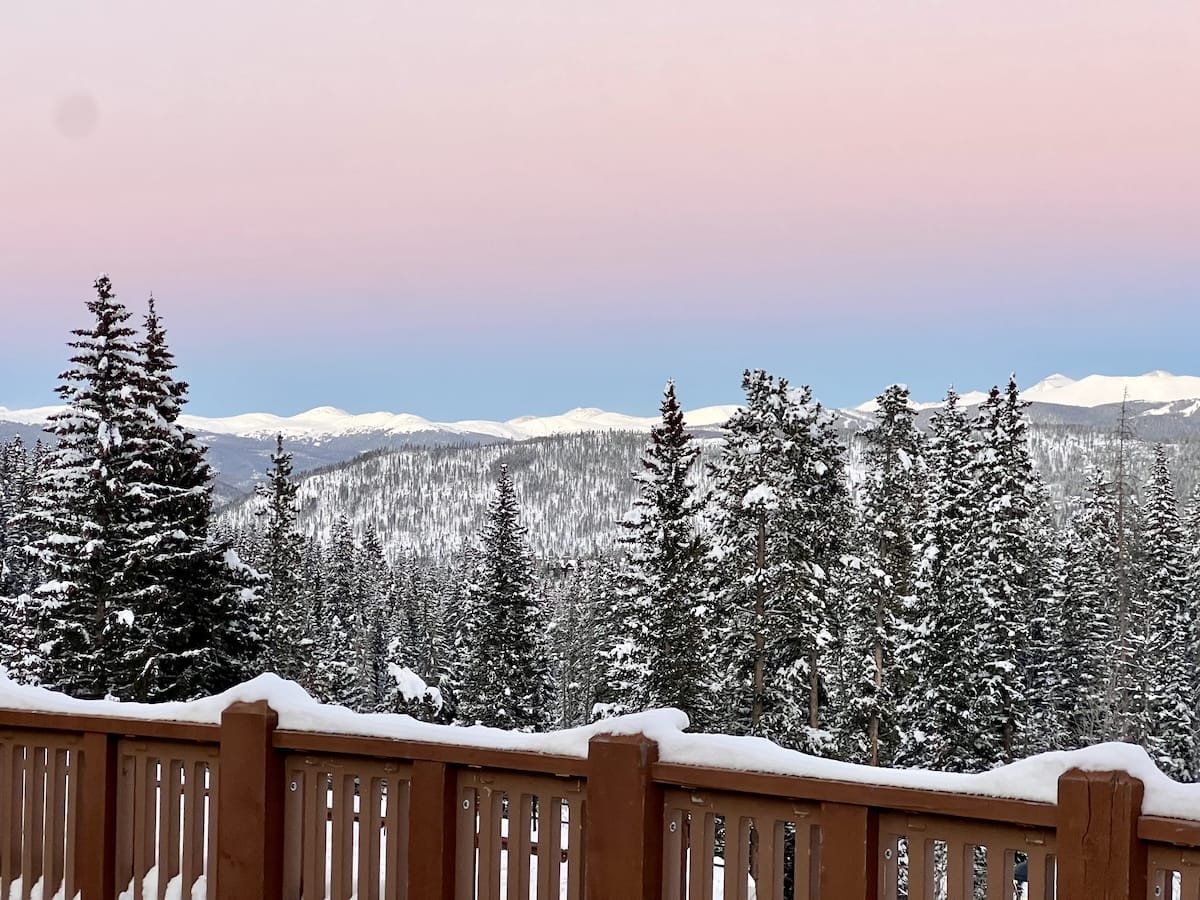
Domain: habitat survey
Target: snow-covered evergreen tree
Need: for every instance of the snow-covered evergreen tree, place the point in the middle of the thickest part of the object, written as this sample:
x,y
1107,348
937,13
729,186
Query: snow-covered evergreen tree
x,y
1172,689
1013,501
936,713
505,678
663,581
196,635
283,616
883,602
779,511
89,510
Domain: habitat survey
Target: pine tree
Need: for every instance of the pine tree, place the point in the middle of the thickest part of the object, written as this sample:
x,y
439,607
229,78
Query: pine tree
x,y
1088,617
283,616
198,637
506,678
936,713
779,509
88,510
663,578
1172,686
1007,571
884,603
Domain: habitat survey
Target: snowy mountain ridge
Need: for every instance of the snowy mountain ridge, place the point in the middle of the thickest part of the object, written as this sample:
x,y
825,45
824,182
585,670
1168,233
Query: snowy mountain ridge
x,y
328,422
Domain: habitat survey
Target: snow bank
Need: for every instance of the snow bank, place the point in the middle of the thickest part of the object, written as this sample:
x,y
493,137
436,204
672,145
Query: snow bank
x,y
1035,778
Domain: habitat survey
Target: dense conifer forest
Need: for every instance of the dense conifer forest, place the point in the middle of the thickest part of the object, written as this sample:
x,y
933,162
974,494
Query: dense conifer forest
x,y
893,594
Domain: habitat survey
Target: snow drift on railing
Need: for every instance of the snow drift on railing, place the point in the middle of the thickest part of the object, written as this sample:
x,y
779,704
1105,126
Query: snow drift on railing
x,y
1035,778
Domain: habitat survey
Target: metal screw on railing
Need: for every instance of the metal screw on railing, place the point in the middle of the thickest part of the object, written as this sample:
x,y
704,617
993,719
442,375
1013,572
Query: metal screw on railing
x,y
294,786
887,854
466,804
1158,890
674,827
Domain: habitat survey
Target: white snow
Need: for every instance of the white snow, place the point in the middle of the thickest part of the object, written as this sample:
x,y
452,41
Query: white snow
x,y
1034,779
1094,390
1097,390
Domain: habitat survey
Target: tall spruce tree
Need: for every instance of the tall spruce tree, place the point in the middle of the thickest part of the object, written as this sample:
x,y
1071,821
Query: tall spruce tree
x,y
1006,571
283,615
199,637
664,578
506,673
779,510
89,510
884,602
1173,688
937,711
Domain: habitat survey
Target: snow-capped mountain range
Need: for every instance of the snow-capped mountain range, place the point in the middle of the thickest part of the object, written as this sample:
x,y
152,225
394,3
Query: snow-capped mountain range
x,y
330,422
1165,404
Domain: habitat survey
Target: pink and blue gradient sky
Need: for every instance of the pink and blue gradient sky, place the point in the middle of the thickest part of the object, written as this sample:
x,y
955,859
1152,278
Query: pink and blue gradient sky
x,y
490,209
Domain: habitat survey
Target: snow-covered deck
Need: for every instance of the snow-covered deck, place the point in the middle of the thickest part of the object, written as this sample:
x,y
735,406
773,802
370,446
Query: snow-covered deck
x,y
262,791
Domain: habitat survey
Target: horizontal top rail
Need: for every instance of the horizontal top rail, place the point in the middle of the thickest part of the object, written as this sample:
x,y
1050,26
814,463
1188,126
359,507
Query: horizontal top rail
x,y
391,748
189,732
797,787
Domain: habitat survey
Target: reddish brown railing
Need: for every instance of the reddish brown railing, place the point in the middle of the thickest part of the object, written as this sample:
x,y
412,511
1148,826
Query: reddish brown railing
x,y
93,805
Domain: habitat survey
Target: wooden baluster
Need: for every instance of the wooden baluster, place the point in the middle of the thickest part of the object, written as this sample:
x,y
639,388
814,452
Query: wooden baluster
x,y
370,860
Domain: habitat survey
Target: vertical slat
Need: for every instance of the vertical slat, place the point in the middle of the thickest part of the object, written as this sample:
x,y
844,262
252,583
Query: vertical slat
x,y
920,866
736,864
549,846
466,853
700,873
10,824
293,833
1189,883
53,846
316,814
192,862
125,807
35,792
488,881
520,820
342,837
997,864
72,824
1160,885
576,858
170,802
672,853
212,871
768,873
1037,874
889,865
959,871
370,799
145,782
400,859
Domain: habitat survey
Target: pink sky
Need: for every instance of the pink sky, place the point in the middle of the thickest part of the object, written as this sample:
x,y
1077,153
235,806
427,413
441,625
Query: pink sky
x,y
589,162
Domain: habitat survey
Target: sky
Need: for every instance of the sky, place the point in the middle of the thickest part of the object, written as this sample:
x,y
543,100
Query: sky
x,y
485,210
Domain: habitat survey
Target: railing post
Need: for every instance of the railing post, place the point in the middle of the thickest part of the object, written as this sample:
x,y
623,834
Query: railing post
x,y
1099,854
623,844
250,801
96,832
433,813
849,851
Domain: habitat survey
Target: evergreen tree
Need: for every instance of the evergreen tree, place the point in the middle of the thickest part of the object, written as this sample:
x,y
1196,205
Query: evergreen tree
x,y
884,602
88,510
663,579
198,637
506,678
283,618
1172,686
1006,575
937,711
779,510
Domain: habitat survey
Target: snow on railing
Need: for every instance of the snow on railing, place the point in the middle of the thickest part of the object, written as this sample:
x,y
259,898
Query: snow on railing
x,y
412,809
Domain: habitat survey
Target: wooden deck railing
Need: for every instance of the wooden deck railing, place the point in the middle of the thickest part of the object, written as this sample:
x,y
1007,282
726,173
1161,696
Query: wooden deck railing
x,y
102,807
